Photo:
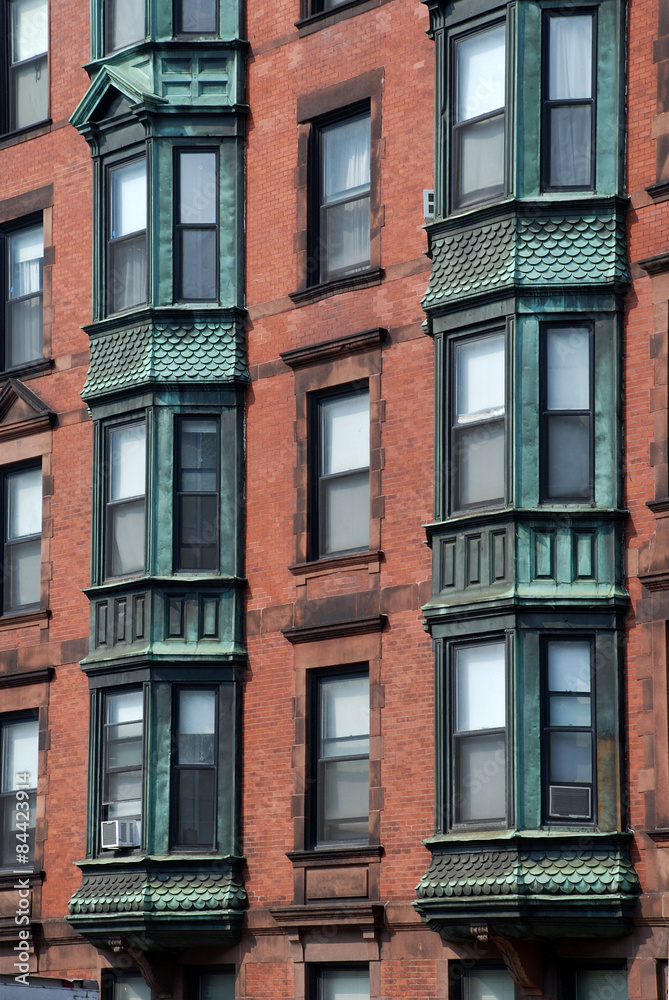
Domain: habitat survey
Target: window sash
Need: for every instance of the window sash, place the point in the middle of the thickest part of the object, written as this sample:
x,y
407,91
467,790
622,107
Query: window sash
x,y
22,540
125,505
197,17
195,770
28,63
342,983
125,23
123,755
23,295
197,493
127,268
196,214
567,419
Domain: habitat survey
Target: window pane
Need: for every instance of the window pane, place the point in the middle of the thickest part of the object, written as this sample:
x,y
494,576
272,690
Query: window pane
x,y
344,984
568,368
570,146
566,710
19,754
131,988
22,574
479,460
128,461
29,83
344,794
23,342
30,34
346,235
480,377
198,200
126,706
571,757
25,251
197,726
488,984
345,150
126,22
346,513
481,687
124,793
198,264
9,828
217,986
345,430
569,666
480,792
126,530
570,57
199,16
195,806
128,197
601,984
568,456
198,455
127,273
124,745
344,716
24,503
480,161
480,73
198,543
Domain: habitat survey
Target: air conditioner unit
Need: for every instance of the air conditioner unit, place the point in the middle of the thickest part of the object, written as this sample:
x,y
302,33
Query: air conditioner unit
x,y
117,833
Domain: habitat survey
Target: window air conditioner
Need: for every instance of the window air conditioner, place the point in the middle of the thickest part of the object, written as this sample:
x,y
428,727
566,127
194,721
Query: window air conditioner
x,y
118,833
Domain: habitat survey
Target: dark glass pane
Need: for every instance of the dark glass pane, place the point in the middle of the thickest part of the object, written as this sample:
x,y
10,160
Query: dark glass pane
x,y
195,806
480,789
568,456
126,538
570,146
198,541
198,455
199,16
479,161
11,824
571,758
344,800
126,281
198,264
126,23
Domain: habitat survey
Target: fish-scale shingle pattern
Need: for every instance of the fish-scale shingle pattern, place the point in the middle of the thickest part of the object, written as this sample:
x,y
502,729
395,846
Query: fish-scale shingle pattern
x,y
529,873
157,352
576,250
158,892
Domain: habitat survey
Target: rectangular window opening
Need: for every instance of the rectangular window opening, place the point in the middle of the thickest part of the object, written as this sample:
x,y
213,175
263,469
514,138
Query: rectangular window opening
x,y
22,540
123,767
194,774
197,493
26,101
126,238
125,23
22,254
196,215
197,17
18,789
125,500
345,982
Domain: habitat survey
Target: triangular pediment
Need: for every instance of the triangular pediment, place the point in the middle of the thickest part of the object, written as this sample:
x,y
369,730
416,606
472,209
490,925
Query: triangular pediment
x,y
113,93
22,411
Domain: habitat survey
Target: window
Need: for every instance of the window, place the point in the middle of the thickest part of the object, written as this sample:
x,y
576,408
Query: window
x,y
23,252
123,755
478,427
125,23
340,983
340,214
22,540
129,987
18,770
197,485
341,758
477,136
194,775
319,6
197,17
340,488
125,500
126,245
566,413
569,109
475,982
27,34
479,734
595,984
568,729
197,226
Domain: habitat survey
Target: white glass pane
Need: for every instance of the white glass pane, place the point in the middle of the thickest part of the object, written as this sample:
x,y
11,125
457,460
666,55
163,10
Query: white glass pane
x,y
23,566
481,64
344,984
481,687
128,197
197,188
30,97
345,797
344,715
569,666
571,758
568,368
345,429
127,538
480,792
601,984
346,513
480,158
131,988
346,236
488,984
199,16
570,58
128,461
127,25
570,146
569,710
197,712
25,252
479,461
30,35
23,341
480,377
24,502
127,706
345,150
19,754
217,986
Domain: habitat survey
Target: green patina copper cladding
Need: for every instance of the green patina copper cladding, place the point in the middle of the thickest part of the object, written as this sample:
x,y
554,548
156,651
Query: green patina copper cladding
x,y
184,905
530,887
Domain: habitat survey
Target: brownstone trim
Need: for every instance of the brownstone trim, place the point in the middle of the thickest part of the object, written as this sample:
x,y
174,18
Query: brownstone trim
x,y
13,209
317,914
332,565
314,293
335,630
20,679
329,349
658,192
24,618
655,265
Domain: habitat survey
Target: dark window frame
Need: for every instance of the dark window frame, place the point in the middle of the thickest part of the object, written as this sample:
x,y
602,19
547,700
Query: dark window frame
x,y
316,504
545,414
104,770
181,32
547,105
177,767
181,227
7,69
107,504
547,729
316,250
111,242
8,230
179,493
5,473
8,799
316,784
454,127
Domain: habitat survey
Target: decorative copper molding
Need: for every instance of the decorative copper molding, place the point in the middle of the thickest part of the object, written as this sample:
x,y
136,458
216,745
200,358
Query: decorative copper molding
x,y
335,630
331,349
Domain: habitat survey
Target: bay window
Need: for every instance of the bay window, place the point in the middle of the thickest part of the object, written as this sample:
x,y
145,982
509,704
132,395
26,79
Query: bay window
x,y
126,240
125,500
125,23
197,17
